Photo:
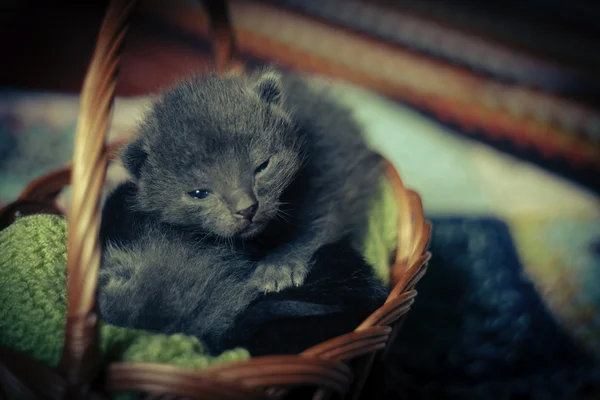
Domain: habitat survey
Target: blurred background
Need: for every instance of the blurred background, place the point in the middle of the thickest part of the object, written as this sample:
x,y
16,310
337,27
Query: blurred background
x,y
490,110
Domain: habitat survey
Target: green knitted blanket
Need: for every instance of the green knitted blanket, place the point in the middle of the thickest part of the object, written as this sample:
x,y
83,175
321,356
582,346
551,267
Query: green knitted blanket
x,y
33,295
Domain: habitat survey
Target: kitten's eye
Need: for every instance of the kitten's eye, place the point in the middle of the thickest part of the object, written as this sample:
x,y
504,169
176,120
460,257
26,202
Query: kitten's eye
x,y
262,167
199,194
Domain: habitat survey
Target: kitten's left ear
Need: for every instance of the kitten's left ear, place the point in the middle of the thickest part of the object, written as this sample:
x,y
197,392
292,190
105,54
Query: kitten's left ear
x,y
134,157
270,87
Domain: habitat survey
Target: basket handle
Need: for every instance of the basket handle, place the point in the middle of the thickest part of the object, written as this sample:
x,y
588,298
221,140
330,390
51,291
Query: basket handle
x,y
80,359
222,34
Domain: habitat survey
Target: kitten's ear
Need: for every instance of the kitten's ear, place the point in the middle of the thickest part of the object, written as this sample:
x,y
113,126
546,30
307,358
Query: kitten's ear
x,y
134,156
270,87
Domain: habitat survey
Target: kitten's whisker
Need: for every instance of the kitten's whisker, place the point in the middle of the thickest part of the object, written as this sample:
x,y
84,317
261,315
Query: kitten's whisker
x,y
286,218
283,203
282,211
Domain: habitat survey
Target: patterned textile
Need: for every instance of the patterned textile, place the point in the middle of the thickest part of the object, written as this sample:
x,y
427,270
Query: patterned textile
x,y
497,219
479,38
533,107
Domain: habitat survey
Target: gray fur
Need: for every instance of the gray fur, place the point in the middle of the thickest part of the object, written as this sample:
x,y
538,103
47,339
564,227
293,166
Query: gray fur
x,y
168,284
213,132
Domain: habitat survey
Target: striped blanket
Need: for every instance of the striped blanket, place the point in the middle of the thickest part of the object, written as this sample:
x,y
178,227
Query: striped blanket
x,y
528,87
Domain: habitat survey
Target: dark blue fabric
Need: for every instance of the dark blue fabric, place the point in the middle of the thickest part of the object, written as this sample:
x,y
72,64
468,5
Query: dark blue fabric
x,y
479,328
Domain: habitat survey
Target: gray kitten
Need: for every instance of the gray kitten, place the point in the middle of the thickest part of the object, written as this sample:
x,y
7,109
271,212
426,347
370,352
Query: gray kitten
x,y
261,160
236,183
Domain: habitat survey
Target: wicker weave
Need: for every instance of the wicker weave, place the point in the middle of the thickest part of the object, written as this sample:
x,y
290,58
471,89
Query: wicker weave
x,y
82,374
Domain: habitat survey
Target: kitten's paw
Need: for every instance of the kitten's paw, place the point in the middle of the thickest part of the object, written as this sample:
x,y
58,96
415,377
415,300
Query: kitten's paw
x,y
273,276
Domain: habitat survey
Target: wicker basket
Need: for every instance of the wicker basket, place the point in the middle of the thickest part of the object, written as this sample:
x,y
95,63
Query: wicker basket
x,y
338,366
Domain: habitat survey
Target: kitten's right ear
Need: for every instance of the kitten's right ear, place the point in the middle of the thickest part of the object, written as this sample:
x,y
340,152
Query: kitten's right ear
x,y
270,88
134,156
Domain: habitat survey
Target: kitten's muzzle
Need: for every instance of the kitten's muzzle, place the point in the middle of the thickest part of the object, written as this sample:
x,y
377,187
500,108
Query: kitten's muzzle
x,y
248,213
243,204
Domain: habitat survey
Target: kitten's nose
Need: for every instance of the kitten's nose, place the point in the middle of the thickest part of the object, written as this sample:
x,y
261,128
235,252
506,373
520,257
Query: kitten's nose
x,y
249,212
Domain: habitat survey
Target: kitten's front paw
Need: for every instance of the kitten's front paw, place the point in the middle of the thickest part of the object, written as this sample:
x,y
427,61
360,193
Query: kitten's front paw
x,y
275,275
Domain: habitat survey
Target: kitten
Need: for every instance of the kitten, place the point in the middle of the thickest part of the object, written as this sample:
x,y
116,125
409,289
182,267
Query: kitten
x,y
236,184
262,162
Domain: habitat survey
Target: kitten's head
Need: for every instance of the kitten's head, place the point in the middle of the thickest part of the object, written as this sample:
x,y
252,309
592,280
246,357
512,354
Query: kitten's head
x,y
216,153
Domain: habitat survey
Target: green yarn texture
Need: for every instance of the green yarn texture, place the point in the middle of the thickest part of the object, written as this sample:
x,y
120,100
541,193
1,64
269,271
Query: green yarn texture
x,y
33,293
32,286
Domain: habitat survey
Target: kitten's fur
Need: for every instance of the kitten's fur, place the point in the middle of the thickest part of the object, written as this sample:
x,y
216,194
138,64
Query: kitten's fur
x,y
174,263
214,132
